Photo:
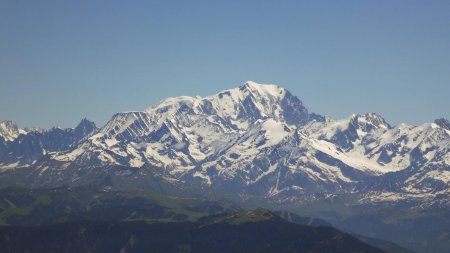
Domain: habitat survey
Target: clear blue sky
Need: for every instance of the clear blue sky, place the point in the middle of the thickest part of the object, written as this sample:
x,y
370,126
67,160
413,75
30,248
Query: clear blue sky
x,y
61,61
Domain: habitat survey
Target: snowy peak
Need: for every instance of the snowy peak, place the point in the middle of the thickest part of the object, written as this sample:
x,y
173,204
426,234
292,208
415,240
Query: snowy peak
x,y
263,90
255,101
9,130
344,133
245,104
369,122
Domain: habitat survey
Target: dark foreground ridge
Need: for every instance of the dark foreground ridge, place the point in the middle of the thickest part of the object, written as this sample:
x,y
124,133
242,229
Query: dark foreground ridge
x,y
249,231
39,209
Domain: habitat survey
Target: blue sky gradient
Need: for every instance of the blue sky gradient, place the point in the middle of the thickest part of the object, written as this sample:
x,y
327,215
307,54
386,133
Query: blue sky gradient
x,y
61,61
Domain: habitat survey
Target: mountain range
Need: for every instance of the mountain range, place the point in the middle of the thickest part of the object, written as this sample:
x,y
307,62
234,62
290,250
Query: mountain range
x,y
256,145
254,140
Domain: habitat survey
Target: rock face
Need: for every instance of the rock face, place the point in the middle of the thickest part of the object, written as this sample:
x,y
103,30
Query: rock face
x,y
9,130
28,147
256,139
442,123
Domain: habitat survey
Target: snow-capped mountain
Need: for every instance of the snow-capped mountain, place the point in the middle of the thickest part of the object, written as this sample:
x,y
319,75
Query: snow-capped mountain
x,y
256,139
187,131
9,130
32,146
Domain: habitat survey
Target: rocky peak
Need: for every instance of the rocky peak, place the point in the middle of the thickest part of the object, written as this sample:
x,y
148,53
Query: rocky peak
x,y
85,127
442,122
370,121
9,130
